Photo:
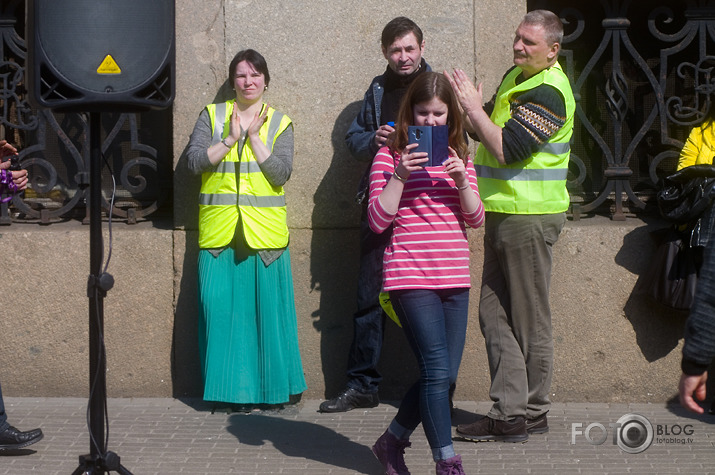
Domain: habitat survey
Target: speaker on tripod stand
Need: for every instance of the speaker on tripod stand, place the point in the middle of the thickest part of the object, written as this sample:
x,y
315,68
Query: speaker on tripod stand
x,y
99,56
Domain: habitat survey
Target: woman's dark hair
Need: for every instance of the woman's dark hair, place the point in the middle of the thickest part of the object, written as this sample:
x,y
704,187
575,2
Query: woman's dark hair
x,y
254,58
424,88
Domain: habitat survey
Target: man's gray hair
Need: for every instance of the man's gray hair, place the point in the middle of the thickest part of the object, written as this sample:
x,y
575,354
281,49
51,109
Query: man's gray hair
x,y
549,21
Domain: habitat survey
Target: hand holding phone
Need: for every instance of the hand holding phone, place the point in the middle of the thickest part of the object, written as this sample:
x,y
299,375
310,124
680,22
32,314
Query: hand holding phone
x,y
434,140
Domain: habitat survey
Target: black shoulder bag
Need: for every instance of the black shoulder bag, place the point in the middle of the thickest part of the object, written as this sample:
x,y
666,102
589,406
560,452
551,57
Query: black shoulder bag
x,y
682,198
687,193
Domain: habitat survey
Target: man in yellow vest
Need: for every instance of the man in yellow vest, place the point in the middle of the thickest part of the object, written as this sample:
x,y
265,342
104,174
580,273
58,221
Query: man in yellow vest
x,y
522,163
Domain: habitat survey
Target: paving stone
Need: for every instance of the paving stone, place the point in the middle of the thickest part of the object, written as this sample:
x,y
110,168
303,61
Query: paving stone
x,y
169,436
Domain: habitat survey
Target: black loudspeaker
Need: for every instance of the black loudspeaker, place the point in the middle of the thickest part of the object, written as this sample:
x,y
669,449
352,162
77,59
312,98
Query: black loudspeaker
x,y
101,55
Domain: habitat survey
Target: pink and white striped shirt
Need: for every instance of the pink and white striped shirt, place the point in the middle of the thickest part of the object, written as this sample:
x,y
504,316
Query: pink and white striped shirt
x,y
428,248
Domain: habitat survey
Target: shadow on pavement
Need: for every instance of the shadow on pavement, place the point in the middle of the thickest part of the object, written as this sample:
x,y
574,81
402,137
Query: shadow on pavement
x,y
16,452
300,439
709,405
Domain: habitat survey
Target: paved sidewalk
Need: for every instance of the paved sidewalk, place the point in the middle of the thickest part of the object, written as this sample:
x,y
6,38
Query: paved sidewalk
x,y
168,436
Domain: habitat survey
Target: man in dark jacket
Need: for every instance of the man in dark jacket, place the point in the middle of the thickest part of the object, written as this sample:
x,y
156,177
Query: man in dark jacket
x,y
402,46
699,347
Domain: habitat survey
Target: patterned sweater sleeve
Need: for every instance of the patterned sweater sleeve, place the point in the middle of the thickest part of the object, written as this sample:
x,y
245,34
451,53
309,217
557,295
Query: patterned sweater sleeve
x,y
536,115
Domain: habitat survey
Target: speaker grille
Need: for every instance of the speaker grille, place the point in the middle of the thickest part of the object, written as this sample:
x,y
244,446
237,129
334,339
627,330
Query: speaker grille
x,y
69,40
53,90
160,90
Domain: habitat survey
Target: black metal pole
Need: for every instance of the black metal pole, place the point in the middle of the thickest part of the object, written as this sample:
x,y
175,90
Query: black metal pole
x,y
97,362
99,461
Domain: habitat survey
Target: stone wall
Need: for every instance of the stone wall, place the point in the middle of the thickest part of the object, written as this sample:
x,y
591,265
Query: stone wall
x,y
611,342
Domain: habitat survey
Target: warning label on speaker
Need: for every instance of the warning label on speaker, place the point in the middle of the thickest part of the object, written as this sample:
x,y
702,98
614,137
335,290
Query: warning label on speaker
x,y
109,66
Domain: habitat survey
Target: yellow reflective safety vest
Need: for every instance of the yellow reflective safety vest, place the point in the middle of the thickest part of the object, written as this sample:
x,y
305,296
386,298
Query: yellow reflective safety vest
x,y
236,186
536,185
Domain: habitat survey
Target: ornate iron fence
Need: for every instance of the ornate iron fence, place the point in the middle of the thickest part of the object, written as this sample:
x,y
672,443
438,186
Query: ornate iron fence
x,y
54,147
642,75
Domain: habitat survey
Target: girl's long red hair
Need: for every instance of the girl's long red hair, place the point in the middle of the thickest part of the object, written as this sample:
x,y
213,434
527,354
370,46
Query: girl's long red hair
x,y
424,88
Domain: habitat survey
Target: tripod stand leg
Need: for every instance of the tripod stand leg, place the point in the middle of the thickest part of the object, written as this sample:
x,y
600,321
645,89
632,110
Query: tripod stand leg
x,y
79,471
100,465
87,465
123,471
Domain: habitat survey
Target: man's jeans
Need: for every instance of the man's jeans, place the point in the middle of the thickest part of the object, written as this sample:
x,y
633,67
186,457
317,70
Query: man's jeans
x,y
369,320
435,324
3,417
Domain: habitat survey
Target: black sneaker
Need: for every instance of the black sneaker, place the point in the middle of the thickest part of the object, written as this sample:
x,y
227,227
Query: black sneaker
x,y
538,425
350,399
486,429
12,438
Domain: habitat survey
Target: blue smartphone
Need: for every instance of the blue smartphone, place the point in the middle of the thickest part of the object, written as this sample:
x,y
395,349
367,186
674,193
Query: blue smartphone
x,y
431,139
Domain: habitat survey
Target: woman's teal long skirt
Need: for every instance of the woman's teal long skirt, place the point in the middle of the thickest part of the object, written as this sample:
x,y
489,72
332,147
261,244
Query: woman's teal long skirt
x,y
248,336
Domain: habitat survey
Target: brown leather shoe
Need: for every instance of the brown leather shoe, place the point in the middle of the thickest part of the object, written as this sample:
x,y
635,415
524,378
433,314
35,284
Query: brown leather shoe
x,y
12,438
486,429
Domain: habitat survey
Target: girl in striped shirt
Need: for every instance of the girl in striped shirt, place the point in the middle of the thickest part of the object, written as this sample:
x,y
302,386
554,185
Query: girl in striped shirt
x,y
426,264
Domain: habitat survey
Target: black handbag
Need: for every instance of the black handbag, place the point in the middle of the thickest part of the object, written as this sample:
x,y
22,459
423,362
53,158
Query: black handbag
x,y
687,193
673,273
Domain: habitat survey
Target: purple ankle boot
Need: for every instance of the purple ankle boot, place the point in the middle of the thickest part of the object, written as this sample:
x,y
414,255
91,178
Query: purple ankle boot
x,y
390,451
451,466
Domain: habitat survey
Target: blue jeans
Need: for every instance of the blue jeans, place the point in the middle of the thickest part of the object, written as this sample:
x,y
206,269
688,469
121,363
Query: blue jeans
x,y
369,319
3,416
435,323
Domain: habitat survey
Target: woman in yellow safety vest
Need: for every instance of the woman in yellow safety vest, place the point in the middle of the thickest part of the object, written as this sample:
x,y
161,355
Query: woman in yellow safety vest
x,y
248,339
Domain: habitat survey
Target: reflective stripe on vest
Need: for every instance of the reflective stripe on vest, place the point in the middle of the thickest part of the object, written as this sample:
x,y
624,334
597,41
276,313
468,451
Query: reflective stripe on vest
x,y
243,200
230,167
538,184
555,148
261,205
219,118
523,174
